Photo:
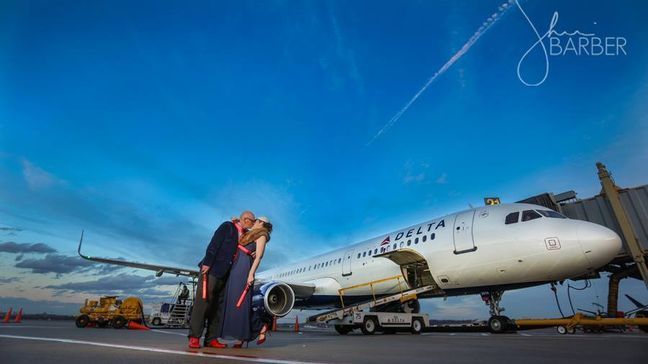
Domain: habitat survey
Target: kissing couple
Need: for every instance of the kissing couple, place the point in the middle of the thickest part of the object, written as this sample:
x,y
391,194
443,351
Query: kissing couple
x,y
223,302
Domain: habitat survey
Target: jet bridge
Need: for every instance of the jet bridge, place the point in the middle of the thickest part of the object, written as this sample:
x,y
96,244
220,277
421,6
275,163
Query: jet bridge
x,y
624,210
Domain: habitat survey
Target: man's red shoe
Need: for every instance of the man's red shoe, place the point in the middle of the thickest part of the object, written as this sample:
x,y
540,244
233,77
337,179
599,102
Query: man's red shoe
x,y
216,344
194,343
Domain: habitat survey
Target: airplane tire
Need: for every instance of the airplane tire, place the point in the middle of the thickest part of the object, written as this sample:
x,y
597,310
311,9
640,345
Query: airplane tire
x,y
369,326
118,322
343,329
82,321
498,324
417,326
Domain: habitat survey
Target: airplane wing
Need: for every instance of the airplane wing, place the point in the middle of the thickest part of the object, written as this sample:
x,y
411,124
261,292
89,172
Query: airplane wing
x,y
159,269
301,290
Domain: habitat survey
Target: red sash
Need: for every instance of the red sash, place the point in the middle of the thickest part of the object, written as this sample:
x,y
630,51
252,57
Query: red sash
x,y
244,250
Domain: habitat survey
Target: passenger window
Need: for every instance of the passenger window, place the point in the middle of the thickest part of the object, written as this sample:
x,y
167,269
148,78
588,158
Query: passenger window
x,y
416,241
432,236
358,255
551,213
409,242
424,238
339,260
512,218
364,254
375,251
528,215
394,246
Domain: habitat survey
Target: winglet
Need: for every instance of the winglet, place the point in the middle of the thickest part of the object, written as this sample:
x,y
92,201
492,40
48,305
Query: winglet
x,y
636,303
79,249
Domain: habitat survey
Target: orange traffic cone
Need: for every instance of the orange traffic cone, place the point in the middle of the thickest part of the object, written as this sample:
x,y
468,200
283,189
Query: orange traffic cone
x,y
132,325
274,323
7,316
296,323
18,316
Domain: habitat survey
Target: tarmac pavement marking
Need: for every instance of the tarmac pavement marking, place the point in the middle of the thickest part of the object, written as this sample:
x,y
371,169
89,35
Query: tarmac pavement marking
x,y
157,350
28,327
169,333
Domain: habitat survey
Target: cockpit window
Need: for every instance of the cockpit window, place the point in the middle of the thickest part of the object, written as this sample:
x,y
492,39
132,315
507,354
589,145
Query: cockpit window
x,y
551,213
512,218
528,215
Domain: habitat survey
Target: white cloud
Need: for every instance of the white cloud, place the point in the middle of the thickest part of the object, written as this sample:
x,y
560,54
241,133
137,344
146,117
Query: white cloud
x,y
414,178
442,179
36,177
415,172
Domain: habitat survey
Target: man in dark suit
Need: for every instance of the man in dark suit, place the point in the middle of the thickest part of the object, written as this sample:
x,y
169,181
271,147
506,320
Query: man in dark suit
x,y
216,266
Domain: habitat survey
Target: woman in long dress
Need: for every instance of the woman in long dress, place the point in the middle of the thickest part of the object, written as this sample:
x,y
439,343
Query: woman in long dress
x,y
241,323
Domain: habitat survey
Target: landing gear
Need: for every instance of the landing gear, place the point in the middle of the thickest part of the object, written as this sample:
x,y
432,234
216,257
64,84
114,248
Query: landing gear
x,y
498,323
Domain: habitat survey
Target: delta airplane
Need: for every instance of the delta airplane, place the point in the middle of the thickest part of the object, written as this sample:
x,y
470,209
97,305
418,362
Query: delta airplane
x,y
485,250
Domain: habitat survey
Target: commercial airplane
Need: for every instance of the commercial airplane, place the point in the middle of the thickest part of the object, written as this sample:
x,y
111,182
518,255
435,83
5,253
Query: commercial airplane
x,y
485,250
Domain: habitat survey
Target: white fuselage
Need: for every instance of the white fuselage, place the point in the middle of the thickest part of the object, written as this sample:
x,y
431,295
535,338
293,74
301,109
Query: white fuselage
x,y
466,250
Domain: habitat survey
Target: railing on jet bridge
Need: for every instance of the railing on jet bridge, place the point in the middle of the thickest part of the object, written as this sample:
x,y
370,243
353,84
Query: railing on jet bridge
x,y
371,284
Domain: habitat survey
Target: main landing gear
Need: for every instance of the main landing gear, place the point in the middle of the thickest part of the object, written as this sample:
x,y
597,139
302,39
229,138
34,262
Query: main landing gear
x,y
497,324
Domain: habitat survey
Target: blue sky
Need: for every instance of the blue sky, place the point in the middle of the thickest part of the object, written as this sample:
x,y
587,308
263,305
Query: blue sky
x,y
148,124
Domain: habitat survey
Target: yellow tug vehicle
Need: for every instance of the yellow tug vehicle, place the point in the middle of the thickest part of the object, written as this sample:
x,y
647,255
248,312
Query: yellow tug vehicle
x,y
110,311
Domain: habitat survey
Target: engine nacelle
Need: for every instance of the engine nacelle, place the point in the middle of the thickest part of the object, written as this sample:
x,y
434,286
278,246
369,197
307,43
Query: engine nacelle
x,y
273,298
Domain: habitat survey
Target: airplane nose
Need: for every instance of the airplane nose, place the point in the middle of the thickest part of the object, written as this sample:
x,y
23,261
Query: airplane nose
x,y
599,243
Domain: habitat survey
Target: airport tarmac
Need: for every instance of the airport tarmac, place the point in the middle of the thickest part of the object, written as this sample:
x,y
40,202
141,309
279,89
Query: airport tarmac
x,y
62,342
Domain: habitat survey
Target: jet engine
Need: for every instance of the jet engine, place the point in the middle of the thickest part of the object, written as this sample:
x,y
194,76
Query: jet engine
x,y
273,298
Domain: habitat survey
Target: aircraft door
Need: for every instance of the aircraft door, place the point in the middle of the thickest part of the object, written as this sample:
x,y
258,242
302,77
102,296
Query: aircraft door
x,y
463,234
346,263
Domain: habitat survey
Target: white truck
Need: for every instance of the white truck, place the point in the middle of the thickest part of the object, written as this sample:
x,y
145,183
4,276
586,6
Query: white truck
x,y
387,322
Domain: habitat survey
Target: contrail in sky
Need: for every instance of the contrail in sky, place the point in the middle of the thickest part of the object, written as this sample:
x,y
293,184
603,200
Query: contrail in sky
x,y
473,39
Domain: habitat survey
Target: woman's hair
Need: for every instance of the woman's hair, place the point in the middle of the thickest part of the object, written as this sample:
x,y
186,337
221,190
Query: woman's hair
x,y
268,226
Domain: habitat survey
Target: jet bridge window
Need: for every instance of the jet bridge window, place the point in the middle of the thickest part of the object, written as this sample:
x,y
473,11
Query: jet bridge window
x,y
551,213
512,218
528,215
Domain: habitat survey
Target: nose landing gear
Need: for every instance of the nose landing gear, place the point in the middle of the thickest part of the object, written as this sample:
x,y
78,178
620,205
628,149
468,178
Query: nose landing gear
x,y
497,324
